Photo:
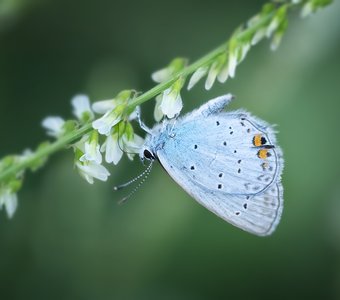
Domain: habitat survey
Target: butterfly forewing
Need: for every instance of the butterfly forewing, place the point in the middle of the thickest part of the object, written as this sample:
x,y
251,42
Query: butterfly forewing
x,y
224,157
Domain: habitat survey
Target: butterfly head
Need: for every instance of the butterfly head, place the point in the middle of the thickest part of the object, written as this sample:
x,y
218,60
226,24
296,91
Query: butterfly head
x,y
151,145
154,141
147,154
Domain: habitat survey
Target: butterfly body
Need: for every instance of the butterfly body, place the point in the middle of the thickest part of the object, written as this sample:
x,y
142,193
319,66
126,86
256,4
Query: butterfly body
x,y
228,161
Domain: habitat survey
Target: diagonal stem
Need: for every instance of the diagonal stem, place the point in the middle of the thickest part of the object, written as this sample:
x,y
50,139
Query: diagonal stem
x,y
150,94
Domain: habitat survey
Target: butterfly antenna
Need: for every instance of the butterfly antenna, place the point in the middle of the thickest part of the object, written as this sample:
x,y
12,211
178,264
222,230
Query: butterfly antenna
x,y
146,171
143,175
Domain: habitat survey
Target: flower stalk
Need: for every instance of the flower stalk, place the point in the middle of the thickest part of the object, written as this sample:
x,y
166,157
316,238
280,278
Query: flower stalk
x,y
45,152
86,132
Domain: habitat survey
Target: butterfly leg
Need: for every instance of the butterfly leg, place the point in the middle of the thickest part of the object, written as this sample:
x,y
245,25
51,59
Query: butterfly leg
x,y
213,106
141,124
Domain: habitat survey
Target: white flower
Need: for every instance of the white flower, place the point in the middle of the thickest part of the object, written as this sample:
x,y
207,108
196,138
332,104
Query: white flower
x,y
223,74
162,75
90,147
258,36
26,154
81,143
92,152
197,76
244,50
229,68
54,126
276,41
81,107
132,146
112,149
166,73
90,170
274,24
115,146
307,9
135,114
171,102
213,71
253,21
102,107
108,120
232,63
10,201
157,113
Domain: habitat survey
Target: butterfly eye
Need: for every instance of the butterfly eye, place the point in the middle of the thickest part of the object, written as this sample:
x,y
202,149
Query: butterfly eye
x,y
148,154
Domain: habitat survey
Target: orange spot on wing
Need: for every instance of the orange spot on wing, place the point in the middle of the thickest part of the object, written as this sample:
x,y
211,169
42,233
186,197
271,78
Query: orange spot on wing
x,y
263,153
257,140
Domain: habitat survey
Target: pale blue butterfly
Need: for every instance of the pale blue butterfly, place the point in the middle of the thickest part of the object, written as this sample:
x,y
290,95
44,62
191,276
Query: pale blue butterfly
x,y
228,161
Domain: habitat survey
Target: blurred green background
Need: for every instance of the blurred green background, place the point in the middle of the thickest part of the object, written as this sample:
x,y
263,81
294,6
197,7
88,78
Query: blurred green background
x,y
70,240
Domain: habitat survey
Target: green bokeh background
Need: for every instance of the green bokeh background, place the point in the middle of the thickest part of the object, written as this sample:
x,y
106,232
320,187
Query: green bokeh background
x,y
70,240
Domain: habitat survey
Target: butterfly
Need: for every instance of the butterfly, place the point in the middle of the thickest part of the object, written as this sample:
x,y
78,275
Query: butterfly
x,y
229,162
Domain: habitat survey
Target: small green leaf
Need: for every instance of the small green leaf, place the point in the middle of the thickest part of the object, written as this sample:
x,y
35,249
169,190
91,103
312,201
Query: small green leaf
x,y
69,126
321,3
15,185
86,117
178,64
124,96
281,13
7,161
267,9
129,131
78,154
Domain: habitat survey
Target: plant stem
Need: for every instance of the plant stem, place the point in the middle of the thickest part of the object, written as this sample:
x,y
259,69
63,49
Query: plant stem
x,y
78,133
205,60
45,151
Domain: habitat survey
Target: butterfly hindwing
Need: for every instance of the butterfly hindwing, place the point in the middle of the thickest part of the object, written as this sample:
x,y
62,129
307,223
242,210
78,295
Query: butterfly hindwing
x,y
228,161
232,167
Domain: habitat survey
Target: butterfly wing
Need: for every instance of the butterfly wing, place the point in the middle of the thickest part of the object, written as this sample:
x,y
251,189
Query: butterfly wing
x,y
230,164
